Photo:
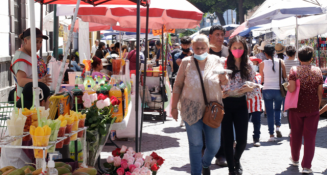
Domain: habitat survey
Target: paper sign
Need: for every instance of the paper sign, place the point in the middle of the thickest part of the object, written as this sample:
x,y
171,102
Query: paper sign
x,y
159,32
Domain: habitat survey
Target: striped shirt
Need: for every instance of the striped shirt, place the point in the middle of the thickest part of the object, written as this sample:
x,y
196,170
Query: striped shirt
x,y
255,103
289,64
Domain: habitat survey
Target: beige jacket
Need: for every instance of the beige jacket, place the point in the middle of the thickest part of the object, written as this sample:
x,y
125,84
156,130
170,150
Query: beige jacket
x,y
188,85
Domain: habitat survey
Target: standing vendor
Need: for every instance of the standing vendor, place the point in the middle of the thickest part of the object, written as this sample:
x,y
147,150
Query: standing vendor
x,y
21,64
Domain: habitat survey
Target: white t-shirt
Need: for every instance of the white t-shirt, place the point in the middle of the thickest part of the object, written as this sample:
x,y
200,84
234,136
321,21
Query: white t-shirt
x,y
94,49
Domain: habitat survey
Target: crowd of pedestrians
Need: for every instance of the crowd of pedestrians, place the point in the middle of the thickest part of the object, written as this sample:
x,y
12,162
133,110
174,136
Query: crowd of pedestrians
x,y
255,85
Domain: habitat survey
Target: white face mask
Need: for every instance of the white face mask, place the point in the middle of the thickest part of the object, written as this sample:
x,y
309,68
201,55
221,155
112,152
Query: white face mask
x,y
255,68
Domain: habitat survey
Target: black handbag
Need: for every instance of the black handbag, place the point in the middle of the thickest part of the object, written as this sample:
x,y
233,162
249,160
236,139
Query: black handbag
x,y
281,87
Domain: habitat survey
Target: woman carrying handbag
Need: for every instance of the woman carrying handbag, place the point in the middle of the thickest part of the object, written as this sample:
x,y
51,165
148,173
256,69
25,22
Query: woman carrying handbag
x,y
195,77
272,72
305,117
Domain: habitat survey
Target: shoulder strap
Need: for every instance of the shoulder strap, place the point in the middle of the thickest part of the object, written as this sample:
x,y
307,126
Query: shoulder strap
x,y
280,71
203,90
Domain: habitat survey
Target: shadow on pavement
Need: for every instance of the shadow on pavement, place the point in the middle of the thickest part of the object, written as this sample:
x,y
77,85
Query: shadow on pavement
x,y
174,129
185,168
265,143
291,170
321,138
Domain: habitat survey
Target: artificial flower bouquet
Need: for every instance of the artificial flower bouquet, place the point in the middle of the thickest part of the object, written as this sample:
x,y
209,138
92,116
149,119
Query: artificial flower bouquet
x,y
126,162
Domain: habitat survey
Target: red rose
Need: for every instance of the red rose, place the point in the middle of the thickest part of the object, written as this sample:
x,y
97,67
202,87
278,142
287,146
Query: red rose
x,y
160,161
114,101
154,155
101,97
116,152
154,167
120,171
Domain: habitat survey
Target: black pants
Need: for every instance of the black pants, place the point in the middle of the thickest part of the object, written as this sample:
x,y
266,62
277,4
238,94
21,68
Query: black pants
x,y
236,112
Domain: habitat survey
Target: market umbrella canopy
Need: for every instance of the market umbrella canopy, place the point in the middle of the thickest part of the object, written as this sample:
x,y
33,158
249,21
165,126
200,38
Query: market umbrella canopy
x,y
174,14
308,27
281,9
93,26
94,2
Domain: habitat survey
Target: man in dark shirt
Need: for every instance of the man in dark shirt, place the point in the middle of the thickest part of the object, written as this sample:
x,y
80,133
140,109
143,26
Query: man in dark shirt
x,y
186,45
216,36
158,46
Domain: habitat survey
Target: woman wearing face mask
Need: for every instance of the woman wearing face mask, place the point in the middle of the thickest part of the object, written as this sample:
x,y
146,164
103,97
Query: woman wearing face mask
x,y
186,92
236,111
21,64
269,70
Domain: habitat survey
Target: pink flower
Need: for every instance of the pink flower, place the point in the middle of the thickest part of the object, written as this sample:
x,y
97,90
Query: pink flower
x,y
123,149
124,164
130,149
131,160
130,152
106,102
153,162
120,171
110,159
148,159
87,103
100,104
128,173
117,161
137,164
140,160
135,173
126,156
132,167
138,155
147,164
86,96
94,97
137,170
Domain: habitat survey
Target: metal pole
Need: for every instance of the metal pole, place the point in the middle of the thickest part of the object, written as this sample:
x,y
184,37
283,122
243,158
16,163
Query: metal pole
x,y
33,54
41,25
162,66
297,35
70,49
138,31
55,32
61,74
145,62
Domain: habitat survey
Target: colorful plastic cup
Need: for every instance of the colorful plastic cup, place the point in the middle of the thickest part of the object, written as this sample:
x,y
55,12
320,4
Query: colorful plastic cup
x,y
41,141
81,124
74,128
61,133
53,138
68,131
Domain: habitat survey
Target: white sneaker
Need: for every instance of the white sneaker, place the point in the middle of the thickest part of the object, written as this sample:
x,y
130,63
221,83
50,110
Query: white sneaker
x,y
285,114
295,163
182,123
306,171
272,139
257,144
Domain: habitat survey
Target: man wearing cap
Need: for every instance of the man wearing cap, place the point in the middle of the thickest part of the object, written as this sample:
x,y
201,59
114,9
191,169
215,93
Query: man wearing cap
x,y
261,55
21,64
19,157
94,48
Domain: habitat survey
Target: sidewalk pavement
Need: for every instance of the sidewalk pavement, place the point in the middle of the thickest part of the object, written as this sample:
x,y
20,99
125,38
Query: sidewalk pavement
x,y
170,141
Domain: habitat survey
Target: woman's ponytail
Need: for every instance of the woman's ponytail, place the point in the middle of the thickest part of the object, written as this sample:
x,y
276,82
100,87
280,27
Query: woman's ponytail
x,y
270,50
273,67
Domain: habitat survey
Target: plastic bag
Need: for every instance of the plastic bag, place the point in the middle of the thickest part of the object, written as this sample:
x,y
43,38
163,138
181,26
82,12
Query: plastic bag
x,y
54,66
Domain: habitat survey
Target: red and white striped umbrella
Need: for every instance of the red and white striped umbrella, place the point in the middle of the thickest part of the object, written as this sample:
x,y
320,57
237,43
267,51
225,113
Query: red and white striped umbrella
x,y
93,2
174,14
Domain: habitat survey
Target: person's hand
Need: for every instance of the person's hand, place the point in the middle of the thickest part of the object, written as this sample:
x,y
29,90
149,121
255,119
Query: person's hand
x,y
179,61
245,88
225,94
46,79
223,78
174,113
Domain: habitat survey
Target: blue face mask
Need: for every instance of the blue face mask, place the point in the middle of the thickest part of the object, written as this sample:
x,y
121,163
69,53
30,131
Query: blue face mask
x,y
201,57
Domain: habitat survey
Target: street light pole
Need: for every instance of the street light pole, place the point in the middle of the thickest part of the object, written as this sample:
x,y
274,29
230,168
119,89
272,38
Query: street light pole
x,y
212,17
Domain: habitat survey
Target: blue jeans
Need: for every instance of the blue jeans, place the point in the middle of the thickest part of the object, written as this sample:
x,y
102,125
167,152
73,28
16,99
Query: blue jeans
x,y
212,140
256,120
273,111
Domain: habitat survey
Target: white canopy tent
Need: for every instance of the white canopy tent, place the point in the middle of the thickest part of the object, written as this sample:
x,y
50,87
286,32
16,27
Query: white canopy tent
x,y
308,27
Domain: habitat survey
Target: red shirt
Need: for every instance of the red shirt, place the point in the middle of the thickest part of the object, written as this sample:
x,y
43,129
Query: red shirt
x,y
310,78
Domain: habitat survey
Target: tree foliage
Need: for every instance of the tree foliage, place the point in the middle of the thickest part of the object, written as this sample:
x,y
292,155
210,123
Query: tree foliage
x,y
220,6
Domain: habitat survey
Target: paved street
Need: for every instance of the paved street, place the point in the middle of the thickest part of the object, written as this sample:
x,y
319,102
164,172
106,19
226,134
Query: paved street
x,y
169,140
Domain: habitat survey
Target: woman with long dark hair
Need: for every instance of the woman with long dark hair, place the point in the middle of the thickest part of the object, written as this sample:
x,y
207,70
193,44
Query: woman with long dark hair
x,y
236,111
269,70
100,52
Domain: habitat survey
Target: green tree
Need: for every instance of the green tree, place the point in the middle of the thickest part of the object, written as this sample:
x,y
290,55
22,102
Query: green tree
x,y
220,6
